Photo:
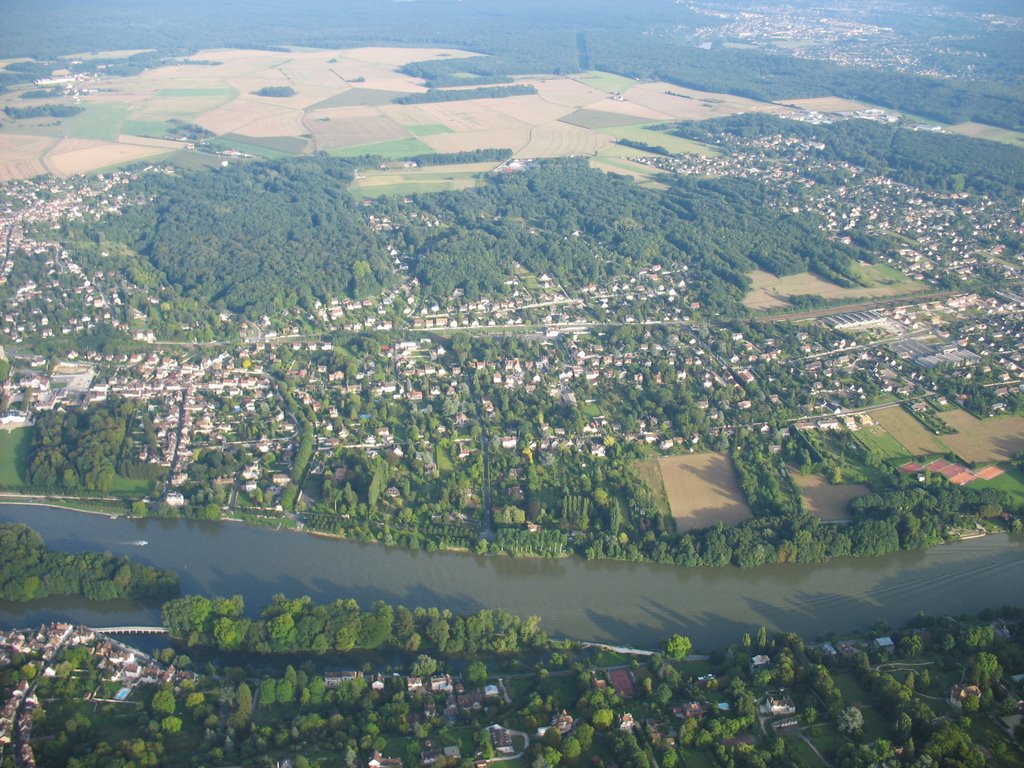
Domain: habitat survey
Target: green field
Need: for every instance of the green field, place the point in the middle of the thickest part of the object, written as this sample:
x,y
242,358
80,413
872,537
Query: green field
x,y
444,460
156,129
359,97
874,275
194,161
595,119
14,448
251,149
393,149
881,442
607,82
673,144
292,145
430,129
855,695
131,486
1011,481
99,121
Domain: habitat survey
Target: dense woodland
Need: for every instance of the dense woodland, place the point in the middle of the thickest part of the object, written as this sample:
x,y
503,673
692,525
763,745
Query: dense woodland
x,y
30,571
299,625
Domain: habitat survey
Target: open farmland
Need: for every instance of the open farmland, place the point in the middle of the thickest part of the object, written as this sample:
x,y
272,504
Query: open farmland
x,y
826,501
908,431
993,439
343,103
703,490
770,292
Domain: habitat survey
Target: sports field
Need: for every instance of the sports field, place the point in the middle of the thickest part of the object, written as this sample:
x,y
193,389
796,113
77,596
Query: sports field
x,y
703,490
909,432
826,501
993,439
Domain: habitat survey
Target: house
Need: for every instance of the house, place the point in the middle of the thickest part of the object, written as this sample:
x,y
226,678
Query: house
x,y
778,706
692,709
884,643
759,662
501,739
626,722
377,760
334,679
961,692
441,683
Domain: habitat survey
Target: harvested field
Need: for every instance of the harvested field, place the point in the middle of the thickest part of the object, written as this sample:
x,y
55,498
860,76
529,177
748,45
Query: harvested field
x,y
73,156
908,431
281,125
702,490
511,138
332,130
15,147
238,114
568,93
992,439
688,104
826,104
770,292
826,501
531,109
559,140
606,81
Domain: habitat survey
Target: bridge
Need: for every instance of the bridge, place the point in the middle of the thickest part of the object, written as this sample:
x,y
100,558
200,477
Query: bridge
x,y
130,630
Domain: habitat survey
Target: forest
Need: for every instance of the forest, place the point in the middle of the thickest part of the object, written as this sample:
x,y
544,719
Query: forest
x,y
30,571
299,625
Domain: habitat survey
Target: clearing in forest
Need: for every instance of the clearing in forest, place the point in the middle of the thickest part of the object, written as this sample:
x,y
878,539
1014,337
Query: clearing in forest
x,y
702,490
826,501
768,291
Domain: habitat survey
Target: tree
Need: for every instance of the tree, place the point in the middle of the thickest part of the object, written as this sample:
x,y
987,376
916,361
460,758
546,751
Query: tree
x,y
171,724
603,718
163,702
677,647
476,675
850,721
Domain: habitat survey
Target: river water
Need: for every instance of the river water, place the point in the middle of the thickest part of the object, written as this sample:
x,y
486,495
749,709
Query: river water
x,y
624,603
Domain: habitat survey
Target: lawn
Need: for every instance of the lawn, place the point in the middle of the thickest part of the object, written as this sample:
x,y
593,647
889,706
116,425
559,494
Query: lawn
x,y
14,451
855,695
1011,481
881,442
99,121
606,658
696,758
803,751
562,688
444,460
132,486
395,149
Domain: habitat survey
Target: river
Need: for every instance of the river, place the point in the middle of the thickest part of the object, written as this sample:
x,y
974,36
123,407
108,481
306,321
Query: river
x,y
606,601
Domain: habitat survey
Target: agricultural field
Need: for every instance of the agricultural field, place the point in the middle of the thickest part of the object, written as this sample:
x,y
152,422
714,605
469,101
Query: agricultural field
x,y
344,104
992,439
980,131
702,490
770,292
826,501
909,432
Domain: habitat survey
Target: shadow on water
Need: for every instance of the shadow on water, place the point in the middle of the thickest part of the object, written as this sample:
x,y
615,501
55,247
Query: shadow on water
x,y
625,603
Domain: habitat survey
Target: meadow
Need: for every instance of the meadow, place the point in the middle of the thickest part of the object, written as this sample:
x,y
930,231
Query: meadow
x,y
769,291
909,432
826,501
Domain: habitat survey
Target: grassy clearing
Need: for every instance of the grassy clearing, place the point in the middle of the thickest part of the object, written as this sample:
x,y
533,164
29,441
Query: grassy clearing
x,y
804,753
649,471
606,81
769,291
444,461
156,129
14,453
607,658
657,138
251,149
401,181
1011,481
874,275
291,145
824,500
99,121
194,161
874,724
391,149
991,133
128,485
